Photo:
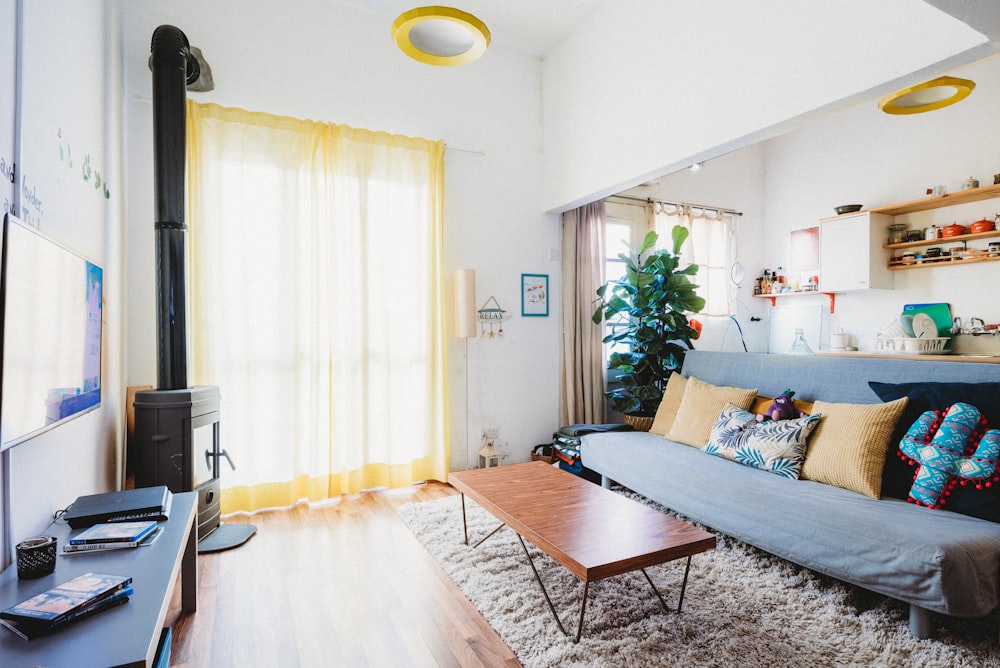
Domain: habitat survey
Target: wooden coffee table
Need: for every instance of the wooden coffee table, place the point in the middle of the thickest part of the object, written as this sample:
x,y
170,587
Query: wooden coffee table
x,y
593,532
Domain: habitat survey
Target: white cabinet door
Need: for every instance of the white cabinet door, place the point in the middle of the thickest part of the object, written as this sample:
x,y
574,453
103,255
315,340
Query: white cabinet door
x,y
851,255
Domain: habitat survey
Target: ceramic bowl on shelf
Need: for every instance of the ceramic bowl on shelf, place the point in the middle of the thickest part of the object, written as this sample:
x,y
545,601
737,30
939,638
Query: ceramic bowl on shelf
x,y
847,208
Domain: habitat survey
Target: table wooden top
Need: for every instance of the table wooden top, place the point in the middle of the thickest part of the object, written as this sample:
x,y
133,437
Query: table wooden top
x,y
593,532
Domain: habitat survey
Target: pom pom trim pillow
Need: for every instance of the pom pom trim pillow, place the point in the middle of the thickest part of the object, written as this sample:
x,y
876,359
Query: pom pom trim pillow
x,y
778,446
700,408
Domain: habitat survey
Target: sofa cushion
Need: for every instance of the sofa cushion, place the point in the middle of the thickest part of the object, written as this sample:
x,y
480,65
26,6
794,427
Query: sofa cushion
x,y
671,401
898,474
776,446
700,408
848,447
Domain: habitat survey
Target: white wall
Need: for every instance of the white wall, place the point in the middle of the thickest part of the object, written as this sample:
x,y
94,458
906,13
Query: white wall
x,y
865,156
702,77
325,62
732,181
71,97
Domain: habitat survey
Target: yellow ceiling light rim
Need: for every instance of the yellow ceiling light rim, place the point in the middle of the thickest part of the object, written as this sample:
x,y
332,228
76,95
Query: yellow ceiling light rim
x,y
891,104
407,21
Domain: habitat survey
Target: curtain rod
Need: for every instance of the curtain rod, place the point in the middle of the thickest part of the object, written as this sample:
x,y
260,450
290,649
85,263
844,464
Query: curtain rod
x,y
650,200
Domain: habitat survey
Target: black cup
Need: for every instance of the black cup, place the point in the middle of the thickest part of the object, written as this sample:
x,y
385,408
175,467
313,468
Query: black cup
x,y
36,557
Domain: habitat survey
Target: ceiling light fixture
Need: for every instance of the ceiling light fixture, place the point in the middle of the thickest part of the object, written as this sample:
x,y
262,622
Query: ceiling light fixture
x,y
696,167
440,35
928,96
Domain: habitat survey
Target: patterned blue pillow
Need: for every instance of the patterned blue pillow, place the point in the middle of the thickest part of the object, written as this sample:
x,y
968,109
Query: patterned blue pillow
x,y
777,446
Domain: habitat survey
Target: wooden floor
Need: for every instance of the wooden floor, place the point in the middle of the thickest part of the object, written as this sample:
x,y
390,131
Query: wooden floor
x,y
346,584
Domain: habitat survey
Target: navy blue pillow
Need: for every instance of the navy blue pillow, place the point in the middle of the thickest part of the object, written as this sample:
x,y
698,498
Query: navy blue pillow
x,y
897,476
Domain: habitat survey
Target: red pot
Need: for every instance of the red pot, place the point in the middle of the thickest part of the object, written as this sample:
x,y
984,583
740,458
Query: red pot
x,y
983,225
953,230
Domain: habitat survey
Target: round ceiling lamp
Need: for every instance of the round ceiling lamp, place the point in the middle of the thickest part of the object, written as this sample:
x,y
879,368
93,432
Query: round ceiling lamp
x,y
440,35
928,96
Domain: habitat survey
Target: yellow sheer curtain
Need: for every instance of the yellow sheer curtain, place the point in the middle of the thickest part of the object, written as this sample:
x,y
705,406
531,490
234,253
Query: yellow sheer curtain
x,y
316,303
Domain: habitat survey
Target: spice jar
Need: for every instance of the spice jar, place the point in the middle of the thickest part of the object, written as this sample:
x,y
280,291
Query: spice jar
x,y
897,232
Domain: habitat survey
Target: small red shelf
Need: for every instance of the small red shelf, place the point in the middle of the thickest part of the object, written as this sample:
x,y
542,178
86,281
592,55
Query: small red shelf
x,y
806,293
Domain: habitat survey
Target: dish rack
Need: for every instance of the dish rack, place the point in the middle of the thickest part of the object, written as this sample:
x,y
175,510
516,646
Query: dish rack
x,y
912,346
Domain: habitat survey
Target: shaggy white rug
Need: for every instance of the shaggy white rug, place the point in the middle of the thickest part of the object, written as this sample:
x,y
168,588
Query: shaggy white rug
x,y
742,607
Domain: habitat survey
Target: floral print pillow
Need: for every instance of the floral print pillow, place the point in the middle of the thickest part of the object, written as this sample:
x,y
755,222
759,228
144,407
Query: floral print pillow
x,y
777,446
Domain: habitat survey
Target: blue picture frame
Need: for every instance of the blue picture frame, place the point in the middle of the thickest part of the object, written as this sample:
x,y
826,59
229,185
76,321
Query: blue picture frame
x,y
534,295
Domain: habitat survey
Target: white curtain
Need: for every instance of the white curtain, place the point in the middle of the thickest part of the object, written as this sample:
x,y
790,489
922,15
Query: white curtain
x,y
317,303
710,245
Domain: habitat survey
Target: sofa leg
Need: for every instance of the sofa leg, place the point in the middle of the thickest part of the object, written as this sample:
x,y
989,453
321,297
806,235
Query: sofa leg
x,y
921,622
606,481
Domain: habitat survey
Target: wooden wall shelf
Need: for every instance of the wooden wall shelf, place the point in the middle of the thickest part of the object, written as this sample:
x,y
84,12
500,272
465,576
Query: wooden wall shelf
x,y
951,199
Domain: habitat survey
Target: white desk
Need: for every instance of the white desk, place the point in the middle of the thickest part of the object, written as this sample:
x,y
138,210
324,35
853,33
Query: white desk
x,y
126,635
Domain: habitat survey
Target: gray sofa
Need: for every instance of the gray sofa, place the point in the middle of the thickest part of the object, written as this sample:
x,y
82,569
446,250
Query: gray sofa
x,y
935,560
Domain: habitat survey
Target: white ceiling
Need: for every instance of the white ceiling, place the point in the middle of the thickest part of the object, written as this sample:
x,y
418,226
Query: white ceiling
x,y
538,26
531,26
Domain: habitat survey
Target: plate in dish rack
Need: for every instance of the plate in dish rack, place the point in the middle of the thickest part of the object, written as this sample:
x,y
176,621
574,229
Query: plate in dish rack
x,y
924,326
904,345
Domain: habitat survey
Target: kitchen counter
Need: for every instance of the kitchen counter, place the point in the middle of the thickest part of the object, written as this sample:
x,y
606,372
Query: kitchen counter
x,y
990,359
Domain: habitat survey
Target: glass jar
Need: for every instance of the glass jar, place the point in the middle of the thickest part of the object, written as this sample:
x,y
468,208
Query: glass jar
x,y
897,233
799,345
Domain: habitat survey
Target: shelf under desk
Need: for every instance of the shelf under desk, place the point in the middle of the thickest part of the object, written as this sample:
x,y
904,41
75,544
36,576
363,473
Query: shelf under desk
x,y
126,635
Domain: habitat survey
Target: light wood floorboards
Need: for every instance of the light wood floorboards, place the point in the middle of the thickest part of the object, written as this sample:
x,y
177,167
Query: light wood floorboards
x,y
345,584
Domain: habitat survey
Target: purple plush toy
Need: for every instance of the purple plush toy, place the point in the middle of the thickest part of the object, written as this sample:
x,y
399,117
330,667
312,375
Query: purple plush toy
x,y
782,408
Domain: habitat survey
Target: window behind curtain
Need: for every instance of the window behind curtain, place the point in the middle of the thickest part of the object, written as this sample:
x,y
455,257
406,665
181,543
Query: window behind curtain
x,y
711,245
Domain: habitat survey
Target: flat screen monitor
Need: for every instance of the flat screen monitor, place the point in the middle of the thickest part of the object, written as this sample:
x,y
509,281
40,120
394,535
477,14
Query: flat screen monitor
x,y
50,360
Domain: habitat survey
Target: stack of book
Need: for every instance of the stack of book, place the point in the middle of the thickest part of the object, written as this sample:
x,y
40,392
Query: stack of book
x,y
112,536
82,596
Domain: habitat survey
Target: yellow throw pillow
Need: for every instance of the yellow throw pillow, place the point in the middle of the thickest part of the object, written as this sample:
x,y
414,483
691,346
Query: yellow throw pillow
x,y
848,447
700,408
671,401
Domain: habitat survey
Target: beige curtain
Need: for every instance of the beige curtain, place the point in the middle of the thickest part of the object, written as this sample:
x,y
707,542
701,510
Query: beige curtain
x,y
316,303
583,363
710,245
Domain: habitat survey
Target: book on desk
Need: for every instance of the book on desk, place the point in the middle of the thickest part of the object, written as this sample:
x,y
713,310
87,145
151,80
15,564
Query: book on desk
x,y
79,597
143,538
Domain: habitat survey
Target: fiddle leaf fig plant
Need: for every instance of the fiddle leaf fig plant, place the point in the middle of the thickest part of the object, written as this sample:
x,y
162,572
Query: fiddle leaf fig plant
x,y
646,310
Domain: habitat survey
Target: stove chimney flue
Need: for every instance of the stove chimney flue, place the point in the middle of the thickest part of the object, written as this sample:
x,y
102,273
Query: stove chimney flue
x,y
173,68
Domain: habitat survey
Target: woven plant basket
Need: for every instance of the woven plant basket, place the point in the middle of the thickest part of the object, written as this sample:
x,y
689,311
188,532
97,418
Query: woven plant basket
x,y
638,423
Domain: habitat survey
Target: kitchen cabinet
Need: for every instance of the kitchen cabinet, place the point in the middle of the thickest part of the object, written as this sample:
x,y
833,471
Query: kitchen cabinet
x,y
851,256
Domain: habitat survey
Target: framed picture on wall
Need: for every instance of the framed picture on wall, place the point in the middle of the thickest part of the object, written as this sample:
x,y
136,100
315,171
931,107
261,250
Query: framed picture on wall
x,y
534,294
804,251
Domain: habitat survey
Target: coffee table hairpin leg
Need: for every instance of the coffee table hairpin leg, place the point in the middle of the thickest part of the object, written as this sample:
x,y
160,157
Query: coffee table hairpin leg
x,y
586,589
465,528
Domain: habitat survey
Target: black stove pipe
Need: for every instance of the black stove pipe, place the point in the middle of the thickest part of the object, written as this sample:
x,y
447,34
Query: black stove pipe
x,y
173,68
